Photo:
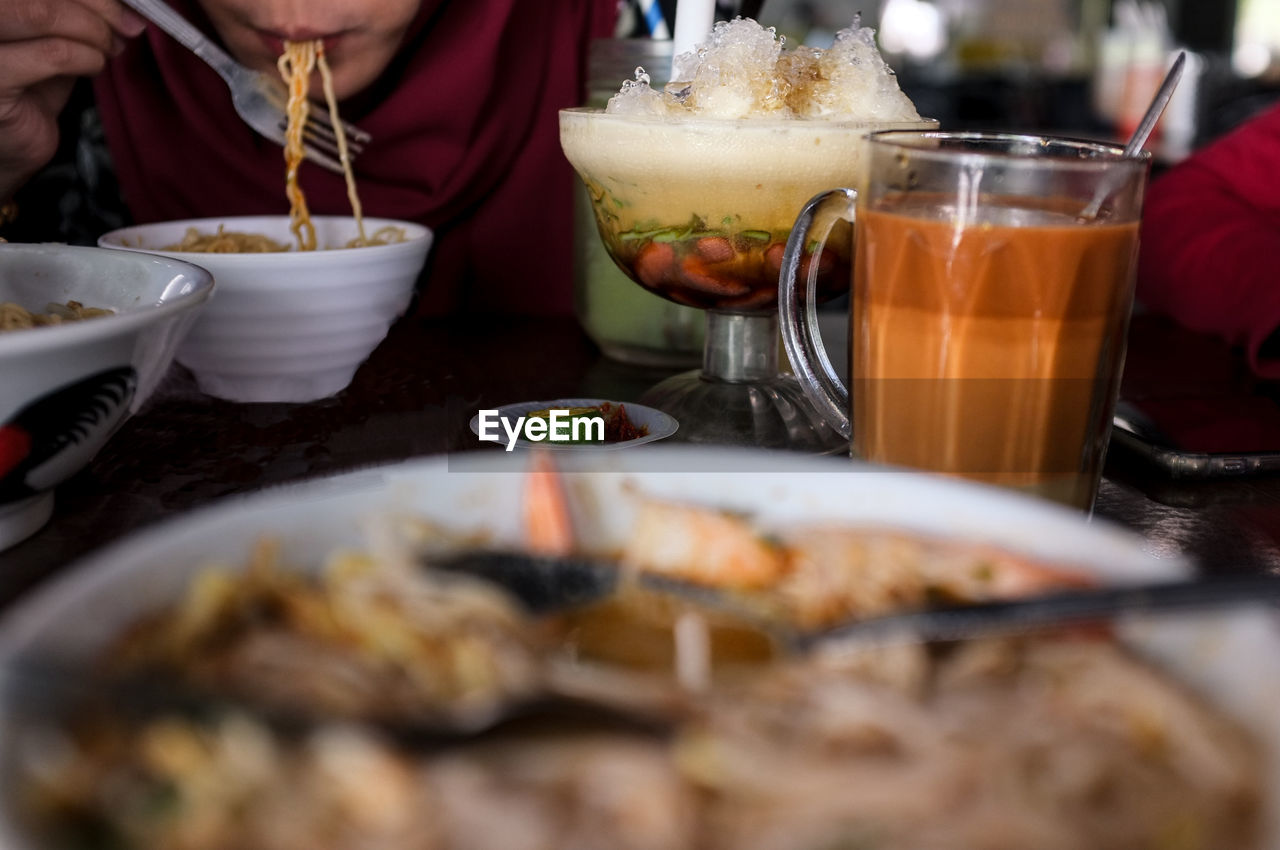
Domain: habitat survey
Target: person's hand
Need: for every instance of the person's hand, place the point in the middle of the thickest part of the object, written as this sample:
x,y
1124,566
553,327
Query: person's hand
x,y
44,46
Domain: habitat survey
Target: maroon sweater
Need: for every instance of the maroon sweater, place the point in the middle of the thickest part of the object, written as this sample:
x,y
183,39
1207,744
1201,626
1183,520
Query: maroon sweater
x,y
1210,254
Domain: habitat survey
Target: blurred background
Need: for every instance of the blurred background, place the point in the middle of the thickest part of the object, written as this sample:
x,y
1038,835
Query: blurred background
x,y
1084,67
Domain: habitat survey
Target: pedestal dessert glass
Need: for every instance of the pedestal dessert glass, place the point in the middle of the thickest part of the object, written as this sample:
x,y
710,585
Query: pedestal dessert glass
x,y
699,211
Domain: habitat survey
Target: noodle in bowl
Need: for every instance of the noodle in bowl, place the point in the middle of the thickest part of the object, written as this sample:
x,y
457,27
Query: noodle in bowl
x,y
289,326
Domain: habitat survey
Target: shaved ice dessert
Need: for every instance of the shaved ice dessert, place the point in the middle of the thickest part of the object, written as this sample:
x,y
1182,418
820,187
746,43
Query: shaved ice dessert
x,y
695,186
742,71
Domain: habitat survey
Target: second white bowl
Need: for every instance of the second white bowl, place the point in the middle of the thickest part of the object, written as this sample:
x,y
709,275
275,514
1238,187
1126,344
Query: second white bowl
x,y
289,326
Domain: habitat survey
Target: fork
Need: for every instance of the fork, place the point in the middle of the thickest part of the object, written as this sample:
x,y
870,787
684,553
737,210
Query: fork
x,y
259,98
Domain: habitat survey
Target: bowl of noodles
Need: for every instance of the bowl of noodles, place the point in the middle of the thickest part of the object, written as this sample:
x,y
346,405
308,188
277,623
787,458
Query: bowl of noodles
x,y
295,316
85,336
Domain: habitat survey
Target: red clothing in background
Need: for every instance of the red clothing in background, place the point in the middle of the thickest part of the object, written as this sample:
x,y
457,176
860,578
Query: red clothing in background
x,y
465,140
1210,254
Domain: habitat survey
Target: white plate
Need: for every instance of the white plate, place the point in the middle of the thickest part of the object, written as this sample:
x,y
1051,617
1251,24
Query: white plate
x,y
1234,660
660,425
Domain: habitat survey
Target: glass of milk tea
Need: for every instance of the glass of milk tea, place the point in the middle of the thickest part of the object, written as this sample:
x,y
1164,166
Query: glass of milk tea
x,y
992,284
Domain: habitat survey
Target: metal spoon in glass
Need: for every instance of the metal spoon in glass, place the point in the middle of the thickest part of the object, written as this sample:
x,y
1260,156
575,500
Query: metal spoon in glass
x,y
1140,135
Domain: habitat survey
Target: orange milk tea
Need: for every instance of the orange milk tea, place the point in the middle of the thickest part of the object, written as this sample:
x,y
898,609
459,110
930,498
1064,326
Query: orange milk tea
x,y
989,343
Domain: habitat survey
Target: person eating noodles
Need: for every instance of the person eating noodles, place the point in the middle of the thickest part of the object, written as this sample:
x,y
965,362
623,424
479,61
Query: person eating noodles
x,y
460,100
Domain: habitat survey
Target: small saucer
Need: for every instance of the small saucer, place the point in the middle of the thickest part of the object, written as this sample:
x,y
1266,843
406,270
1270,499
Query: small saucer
x,y
659,424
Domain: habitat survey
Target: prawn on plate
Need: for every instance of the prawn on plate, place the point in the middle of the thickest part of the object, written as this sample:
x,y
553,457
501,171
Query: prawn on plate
x,y
547,521
817,575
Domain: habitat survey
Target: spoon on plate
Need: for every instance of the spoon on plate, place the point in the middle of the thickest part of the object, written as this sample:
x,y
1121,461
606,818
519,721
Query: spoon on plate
x,y
1141,134
1051,611
549,583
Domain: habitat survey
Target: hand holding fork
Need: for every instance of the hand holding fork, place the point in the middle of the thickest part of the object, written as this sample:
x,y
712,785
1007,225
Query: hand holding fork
x,y
46,44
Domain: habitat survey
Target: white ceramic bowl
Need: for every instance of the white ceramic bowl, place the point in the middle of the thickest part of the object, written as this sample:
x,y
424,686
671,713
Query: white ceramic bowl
x,y
1234,659
290,326
65,389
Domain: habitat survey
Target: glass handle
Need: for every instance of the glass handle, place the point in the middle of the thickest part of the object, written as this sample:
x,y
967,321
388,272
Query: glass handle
x,y
800,334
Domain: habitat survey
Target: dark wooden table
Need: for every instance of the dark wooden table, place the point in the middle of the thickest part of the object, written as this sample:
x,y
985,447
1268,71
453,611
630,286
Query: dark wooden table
x,y
417,393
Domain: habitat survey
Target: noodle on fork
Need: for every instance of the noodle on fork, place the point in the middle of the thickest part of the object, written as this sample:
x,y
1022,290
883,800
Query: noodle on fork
x,y
344,156
296,64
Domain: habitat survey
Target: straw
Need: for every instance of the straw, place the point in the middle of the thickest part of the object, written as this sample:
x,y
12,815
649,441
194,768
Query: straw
x,y
653,19
693,22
